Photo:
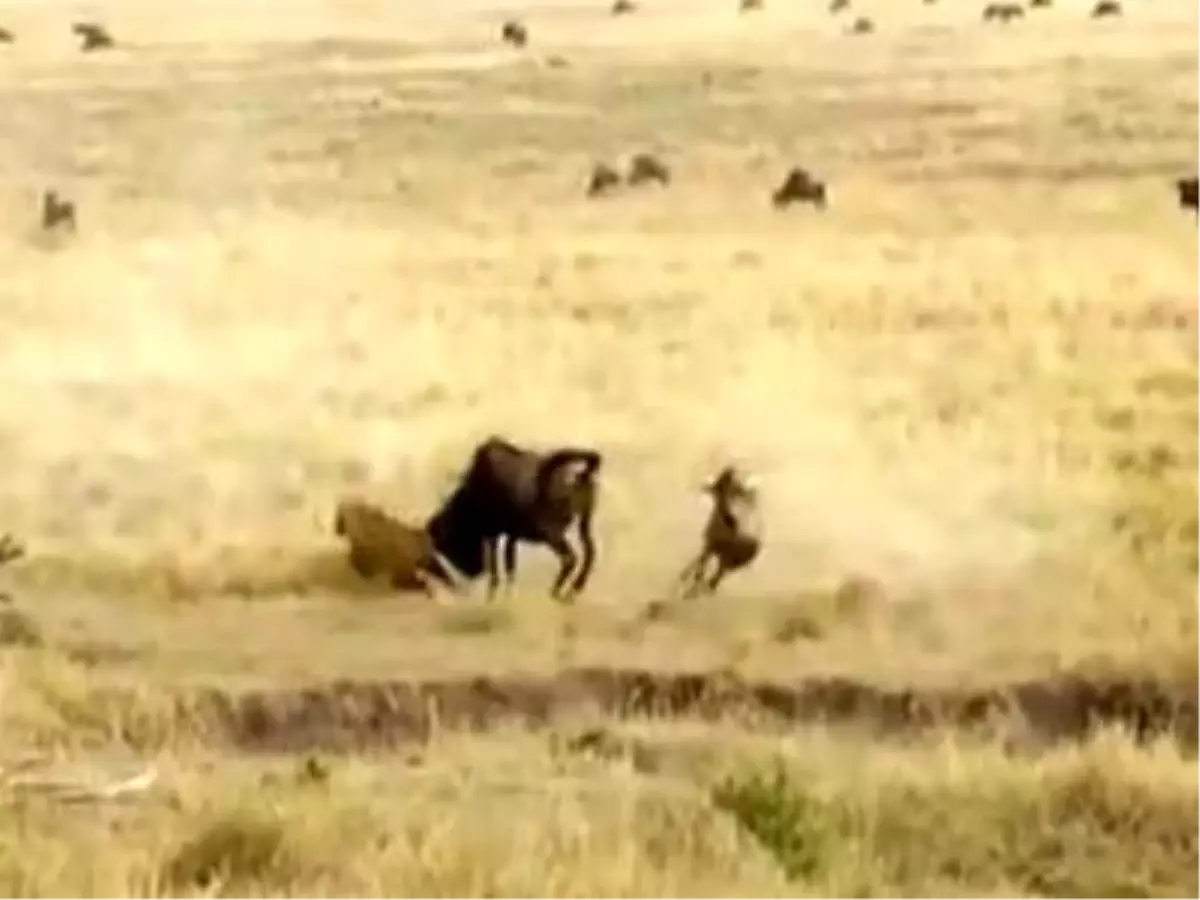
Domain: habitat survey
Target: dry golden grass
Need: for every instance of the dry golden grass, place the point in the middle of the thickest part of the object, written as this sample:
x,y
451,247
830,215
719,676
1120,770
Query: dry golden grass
x,y
325,247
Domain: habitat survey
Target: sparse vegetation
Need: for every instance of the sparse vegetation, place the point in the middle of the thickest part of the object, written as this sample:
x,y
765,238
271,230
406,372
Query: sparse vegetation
x,y
964,663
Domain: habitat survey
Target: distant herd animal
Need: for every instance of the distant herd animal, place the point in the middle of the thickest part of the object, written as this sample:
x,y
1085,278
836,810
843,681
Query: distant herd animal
x,y
509,494
799,186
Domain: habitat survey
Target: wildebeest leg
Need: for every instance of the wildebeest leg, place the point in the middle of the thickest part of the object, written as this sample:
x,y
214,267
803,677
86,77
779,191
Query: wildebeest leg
x,y
510,560
690,577
721,572
588,543
491,547
566,560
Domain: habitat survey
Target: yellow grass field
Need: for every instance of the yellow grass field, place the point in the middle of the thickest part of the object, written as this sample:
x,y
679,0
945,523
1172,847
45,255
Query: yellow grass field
x,y
326,247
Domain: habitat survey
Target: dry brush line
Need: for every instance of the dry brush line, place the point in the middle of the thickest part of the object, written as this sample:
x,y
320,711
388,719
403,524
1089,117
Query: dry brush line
x,y
346,715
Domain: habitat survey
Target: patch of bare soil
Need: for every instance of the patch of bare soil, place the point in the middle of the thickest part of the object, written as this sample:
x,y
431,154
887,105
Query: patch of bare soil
x,y
346,715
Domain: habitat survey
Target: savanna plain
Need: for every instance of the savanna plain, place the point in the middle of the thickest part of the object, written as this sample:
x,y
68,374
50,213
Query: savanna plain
x,y
325,248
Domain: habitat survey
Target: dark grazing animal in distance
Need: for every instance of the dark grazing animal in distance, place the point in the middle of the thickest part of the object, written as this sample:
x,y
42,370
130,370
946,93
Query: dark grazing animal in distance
x,y
1003,12
1105,9
646,167
1188,189
57,213
10,549
862,25
380,544
800,187
514,33
508,492
603,180
6,36
837,6
1040,4
732,536
95,37
750,5
623,7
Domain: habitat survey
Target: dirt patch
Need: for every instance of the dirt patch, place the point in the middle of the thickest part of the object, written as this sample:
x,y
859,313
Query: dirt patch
x,y
349,715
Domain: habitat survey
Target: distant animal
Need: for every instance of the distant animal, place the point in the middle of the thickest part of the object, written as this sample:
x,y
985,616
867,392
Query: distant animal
x,y
554,61
750,5
623,7
603,180
1188,189
862,25
10,549
514,33
380,544
732,536
1040,4
1003,12
511,494
800,187
645,167
6,36
837,6
94,36
57,213
1105,9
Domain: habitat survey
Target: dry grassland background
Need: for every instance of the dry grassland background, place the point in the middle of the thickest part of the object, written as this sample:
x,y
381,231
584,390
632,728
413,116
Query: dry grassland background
x,y
326,247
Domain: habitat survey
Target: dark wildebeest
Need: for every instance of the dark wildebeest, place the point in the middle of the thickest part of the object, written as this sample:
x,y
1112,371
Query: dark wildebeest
x,y
95,37
604,179
623,7
644,167
521,495
1003,12
10,549
515,33
1106,9
1188,188
837,6
6,36
380,544
57,213
732,536
1040,4
862,25
750,5
800,187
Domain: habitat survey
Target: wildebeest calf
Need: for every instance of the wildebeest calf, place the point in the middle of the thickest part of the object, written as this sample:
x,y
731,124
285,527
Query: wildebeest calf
x,y
514,33
646,167
95,37
1187,189
604,179
800,187
57,213
515,494
380,544
732,536
1003,12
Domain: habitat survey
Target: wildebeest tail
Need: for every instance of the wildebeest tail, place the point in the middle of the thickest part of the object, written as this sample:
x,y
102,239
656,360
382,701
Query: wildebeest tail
x,y
589,460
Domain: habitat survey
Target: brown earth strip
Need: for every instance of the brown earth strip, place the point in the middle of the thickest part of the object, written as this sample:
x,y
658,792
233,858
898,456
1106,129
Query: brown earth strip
x,y
347,715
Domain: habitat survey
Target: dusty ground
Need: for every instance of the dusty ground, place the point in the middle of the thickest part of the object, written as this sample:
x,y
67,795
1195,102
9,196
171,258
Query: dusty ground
x,y
327,247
